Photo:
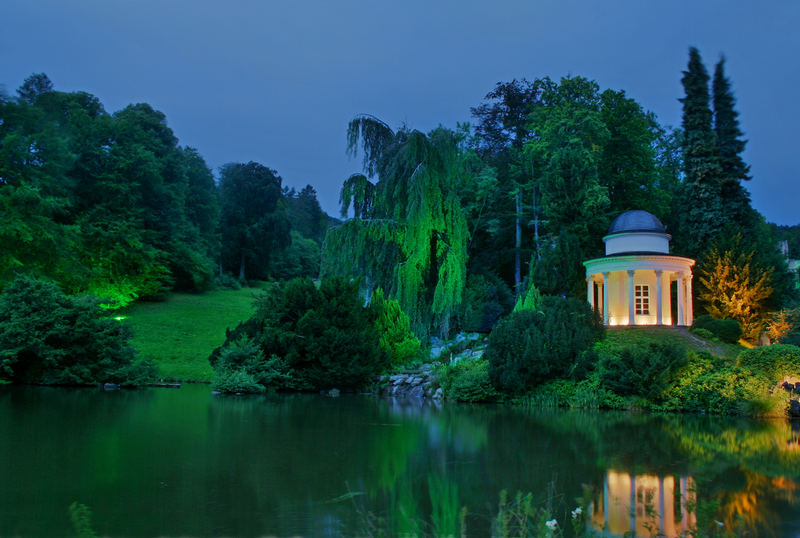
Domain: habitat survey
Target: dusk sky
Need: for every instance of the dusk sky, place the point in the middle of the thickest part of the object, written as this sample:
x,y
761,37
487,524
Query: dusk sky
x,y
277,81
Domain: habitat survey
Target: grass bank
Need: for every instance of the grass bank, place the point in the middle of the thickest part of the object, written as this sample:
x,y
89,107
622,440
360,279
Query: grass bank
x,y
670,335
180,333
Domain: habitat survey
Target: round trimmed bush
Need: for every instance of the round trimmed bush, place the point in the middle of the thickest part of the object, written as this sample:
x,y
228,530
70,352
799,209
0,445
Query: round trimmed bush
x,y
528,348
727,330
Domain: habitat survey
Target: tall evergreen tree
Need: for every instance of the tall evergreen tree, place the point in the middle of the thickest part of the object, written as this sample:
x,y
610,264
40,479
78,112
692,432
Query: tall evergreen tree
x,y
730,146
703,213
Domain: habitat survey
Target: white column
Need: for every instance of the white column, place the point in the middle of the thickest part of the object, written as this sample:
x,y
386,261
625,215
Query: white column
x,y
689,301
659,298
681,300
590,291
631,311
606,299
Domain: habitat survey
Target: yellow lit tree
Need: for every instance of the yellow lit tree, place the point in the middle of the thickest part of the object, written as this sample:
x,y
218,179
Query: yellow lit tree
x,y
733,286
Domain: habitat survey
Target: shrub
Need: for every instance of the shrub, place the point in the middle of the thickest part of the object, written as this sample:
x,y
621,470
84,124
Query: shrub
x,y
243,356
640,370
702,333
326,336
486,298
394,328
527,348
300,259
774,361
49,337
705,384
727,330
226,281
236,381
467,381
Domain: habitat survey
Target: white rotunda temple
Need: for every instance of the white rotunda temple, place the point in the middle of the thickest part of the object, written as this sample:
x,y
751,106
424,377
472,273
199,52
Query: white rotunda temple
x,y
631,284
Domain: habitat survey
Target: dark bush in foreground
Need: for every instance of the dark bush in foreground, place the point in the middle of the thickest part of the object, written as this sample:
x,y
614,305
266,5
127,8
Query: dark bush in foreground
x,y
640,370
727,330
52,338
315,338
528,348
774,361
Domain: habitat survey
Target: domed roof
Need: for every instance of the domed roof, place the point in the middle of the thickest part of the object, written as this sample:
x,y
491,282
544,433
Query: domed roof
x,y
636,221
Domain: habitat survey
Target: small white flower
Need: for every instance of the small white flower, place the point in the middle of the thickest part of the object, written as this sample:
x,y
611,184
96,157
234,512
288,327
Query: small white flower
x,y
575,513
552,524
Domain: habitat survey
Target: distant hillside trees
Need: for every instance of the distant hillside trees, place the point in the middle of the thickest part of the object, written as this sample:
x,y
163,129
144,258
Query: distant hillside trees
x,y
105,204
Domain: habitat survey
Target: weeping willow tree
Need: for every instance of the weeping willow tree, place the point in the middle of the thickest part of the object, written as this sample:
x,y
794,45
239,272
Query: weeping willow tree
x,y
409,234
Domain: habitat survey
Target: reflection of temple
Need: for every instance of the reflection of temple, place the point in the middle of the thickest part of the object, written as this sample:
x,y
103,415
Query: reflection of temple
x,y
643,504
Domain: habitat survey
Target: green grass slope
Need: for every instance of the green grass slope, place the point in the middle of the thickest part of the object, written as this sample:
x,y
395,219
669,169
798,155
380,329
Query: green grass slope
x,y
623,336
180,333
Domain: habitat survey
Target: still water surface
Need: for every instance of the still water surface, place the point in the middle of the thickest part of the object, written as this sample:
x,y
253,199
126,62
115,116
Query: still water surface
x,y
165,462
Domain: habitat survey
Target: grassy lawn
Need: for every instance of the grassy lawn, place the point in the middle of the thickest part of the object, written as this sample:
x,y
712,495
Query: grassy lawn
x,y
676,335
180,333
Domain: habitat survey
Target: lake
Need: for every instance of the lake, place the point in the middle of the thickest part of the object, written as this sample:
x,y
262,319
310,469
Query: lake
x,y
183,462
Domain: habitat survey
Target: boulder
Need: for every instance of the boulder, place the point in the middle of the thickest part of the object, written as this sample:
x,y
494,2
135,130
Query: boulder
x,y
794,408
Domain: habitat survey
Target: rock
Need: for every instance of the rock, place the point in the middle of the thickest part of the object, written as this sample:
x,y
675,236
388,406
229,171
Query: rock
x,y
414,381
399,379
334,393
417,393
794,408
110,386
436,352
439,394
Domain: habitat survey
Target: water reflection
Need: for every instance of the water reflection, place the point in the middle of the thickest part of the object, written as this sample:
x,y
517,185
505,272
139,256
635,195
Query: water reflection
x,y
644,505
181,462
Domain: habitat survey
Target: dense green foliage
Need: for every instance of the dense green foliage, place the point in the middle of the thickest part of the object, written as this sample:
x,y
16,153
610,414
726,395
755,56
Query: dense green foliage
x,y
49,337
394,328
708,384
316,338
727,330
111,205
253,222
486,299
467,381
776,361
421,255
530,347
640,370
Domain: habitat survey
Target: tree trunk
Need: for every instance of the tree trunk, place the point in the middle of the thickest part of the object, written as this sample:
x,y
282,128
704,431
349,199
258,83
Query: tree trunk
x,y
241,269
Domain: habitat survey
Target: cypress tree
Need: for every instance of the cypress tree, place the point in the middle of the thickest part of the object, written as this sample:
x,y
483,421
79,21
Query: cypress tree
x,y
730,146
703,213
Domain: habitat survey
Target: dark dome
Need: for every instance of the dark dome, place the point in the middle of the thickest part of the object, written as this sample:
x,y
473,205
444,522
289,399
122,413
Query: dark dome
x,y
636,221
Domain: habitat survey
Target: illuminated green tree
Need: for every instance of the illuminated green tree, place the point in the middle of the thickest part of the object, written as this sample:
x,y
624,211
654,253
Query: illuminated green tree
x,y
411,235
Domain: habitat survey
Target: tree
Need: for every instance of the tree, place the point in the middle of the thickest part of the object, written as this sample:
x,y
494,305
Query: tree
x,y
703,213
49,337
730,146
570,134
502,131
34,86
733,285
410,236
305,213
253,222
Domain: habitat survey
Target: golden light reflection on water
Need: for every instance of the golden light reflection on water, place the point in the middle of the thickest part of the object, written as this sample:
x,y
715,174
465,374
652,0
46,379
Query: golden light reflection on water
x,y
644,504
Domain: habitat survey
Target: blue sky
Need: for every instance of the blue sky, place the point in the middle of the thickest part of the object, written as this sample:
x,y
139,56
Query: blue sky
x,y
277,81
